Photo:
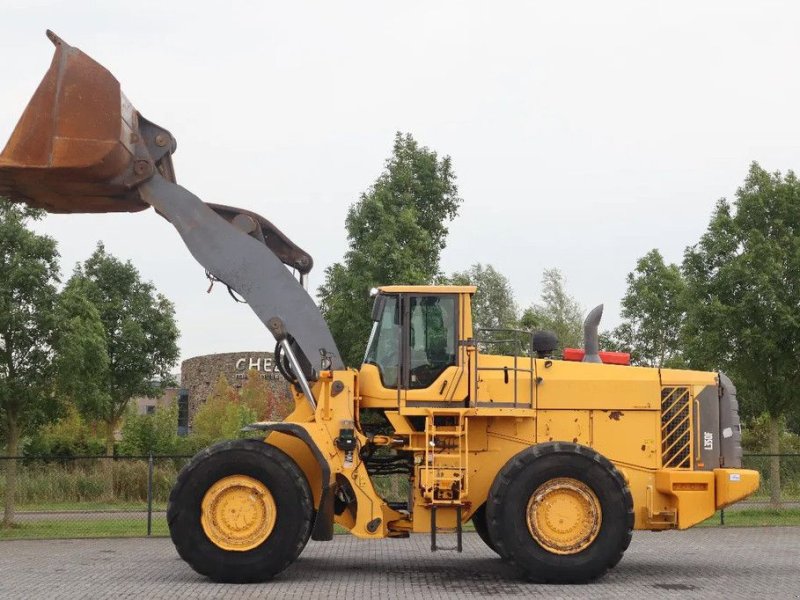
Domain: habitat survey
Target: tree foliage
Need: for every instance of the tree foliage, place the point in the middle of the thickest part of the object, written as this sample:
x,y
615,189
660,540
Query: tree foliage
x,y
756,436
155,433
743,294
222,416
653,313
557,312
28,278
743,286
81,353
493,305
70,436
396,232
267,405
140,336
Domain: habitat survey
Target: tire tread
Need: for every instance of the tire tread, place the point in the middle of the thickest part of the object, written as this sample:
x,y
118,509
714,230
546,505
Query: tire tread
x,y
514,468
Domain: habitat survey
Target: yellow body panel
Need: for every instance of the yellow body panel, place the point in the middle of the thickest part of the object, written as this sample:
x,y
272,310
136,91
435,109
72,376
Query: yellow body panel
x,y
564,425
687,377
575,403
567,384
628,437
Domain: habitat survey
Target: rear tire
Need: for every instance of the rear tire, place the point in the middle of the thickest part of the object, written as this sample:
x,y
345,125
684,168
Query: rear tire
x,y
290,497
560,513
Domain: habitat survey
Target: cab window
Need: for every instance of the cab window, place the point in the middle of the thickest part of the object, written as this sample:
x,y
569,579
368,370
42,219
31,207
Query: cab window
x,y
431,338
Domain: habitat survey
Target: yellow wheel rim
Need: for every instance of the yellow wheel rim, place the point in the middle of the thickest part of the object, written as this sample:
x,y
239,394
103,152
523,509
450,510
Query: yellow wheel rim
x,y
564,515
238,513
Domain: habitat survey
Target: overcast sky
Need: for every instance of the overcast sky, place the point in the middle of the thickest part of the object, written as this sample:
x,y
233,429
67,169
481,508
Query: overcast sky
x,y
582,134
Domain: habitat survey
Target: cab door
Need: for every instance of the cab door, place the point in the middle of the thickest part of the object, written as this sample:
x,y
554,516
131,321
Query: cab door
x,y
432,372
414,357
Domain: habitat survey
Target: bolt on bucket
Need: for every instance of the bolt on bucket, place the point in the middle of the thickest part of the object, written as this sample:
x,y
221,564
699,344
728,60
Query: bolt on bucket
x,y
77,146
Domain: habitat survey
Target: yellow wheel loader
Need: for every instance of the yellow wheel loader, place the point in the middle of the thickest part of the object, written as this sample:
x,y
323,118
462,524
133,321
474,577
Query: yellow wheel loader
x,y
555,460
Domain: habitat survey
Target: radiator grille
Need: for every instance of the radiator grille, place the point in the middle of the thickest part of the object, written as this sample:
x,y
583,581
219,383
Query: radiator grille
x,y
676,434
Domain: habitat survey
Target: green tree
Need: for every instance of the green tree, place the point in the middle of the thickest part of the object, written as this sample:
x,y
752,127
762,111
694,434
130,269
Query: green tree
x,y
493,306
653,312
256,395
28,278
396,232
266,403
557,312
155,433
140,337
743,290
70,436
756,438
81,353
222,416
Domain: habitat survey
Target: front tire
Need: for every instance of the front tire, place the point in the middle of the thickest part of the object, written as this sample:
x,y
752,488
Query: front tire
x,y
560,513
240,512
482,527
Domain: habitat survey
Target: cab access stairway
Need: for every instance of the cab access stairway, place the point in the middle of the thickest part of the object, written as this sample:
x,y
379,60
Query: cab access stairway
x,y
445,469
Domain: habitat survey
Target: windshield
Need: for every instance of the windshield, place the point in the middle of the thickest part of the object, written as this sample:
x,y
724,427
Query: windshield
x,y
383,349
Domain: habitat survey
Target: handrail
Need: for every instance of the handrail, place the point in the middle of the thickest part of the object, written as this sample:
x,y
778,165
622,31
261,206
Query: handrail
x,y
515,368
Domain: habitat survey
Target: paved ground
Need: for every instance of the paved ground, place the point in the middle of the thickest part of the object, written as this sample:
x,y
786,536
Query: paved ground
x,y
700,563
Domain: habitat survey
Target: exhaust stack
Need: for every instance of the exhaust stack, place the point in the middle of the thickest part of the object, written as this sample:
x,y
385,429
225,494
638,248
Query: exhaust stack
x,y
591,340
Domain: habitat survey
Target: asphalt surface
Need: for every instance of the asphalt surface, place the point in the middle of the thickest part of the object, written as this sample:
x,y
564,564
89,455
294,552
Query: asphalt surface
x,y
699,563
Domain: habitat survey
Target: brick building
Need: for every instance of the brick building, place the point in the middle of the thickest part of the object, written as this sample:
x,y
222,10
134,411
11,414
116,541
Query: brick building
x,y
200,373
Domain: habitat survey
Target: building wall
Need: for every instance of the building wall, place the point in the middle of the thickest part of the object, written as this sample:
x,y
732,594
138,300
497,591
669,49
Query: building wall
x,y
200,373
146,406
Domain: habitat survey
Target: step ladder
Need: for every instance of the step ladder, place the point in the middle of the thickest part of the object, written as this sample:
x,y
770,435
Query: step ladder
x,y
445,469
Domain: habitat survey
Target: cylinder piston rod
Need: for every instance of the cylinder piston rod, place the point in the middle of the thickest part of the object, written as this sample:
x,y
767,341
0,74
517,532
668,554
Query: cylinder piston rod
x,y
298,372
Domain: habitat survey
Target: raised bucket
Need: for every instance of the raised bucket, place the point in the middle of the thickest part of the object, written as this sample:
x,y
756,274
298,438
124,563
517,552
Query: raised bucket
x,y
75,147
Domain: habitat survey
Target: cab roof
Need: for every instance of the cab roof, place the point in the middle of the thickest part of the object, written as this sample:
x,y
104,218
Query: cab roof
x,y
427,289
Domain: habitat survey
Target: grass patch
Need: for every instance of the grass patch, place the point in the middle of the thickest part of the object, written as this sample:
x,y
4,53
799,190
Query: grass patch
x,y
97,528
756,517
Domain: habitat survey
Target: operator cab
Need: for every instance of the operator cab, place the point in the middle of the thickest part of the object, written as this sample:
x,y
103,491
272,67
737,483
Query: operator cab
x,y
416,351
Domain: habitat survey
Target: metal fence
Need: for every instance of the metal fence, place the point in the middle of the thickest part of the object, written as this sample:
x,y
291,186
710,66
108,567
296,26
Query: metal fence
x,y
90,496
126,496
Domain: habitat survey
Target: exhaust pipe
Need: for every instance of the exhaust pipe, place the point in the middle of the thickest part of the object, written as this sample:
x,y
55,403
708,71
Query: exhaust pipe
x,y
591,340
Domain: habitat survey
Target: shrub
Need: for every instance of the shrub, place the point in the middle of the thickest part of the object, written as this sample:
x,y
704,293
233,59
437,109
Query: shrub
x,y
69,437
222,416
156,433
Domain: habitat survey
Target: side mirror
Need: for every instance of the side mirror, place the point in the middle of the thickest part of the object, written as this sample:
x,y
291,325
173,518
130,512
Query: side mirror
x,y
377,307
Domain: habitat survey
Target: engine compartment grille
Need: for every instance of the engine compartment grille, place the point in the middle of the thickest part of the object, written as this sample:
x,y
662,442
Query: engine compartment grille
x,y
676,428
